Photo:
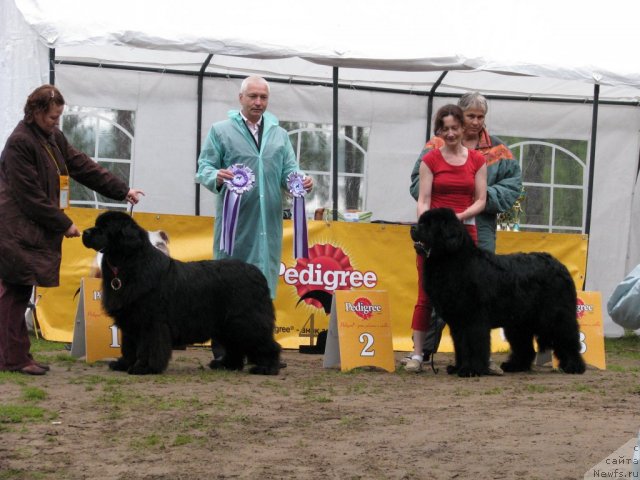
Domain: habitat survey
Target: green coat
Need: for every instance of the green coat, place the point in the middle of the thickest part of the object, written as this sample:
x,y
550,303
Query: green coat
x,y
259,232
504,185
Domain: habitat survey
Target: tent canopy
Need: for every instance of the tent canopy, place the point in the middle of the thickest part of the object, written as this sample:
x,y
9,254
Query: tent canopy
x,y
372,41
390,60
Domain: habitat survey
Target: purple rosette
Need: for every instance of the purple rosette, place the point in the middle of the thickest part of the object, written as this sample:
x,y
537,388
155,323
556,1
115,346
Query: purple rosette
x,y
295,184
243,180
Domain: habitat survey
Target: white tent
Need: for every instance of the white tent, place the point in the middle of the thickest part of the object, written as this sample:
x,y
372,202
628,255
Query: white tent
x,y
540,63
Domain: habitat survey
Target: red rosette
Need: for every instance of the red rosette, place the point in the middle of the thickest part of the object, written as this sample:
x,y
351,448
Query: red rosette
x,y
329,258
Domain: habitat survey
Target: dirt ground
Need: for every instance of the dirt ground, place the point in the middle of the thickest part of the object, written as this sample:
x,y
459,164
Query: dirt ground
x,y
85,422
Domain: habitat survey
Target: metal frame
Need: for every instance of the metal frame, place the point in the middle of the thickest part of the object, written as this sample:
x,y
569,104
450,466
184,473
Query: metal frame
x,y
336,86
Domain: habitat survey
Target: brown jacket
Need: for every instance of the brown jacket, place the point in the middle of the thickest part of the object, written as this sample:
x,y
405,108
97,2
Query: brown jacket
x,y
31,223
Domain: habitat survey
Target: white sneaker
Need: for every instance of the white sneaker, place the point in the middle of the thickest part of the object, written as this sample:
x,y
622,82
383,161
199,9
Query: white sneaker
x,y
413,365
494,369
404,360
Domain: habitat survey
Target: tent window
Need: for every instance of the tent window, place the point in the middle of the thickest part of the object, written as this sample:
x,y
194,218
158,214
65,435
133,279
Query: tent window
x,y
554,175
106,135
312,143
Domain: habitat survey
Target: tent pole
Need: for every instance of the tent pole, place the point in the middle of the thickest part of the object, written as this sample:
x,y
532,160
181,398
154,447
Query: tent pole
x,y
52,66
432,92
199,127
592,157
335,144
592,167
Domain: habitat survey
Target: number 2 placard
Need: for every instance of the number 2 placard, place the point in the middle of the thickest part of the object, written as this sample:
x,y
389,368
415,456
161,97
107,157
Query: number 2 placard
x,y
359,331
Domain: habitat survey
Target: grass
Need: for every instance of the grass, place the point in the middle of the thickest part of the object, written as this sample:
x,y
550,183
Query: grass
x,y
627,346
531,388
494,391
40,345
581,387
21,413
33,394
182,440
152,441
12,377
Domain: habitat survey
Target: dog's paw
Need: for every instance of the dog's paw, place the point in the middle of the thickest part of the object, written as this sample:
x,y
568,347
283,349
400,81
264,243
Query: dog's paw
x,y
139,369
452,369
216,364
118,365
264,370
466,372
573,367
221,364
514,367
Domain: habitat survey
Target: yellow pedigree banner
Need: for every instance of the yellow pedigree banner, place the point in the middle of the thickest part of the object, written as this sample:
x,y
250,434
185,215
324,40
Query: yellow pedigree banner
x,y
342,256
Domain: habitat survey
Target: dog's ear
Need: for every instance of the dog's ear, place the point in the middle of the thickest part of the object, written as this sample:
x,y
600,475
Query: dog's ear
x,y
132,238
453,232
453,239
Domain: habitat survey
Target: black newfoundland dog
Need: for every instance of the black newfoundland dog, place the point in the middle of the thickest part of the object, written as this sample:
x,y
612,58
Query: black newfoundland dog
x,y
158,302
527,294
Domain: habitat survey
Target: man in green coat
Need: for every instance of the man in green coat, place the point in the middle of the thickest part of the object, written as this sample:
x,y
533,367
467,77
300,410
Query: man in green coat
x,y
251,137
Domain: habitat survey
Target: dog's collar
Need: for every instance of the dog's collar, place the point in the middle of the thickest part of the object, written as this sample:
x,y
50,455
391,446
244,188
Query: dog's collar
x,y
421,248
116,283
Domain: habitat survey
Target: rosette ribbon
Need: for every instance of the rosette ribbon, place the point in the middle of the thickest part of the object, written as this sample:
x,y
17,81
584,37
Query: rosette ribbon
x,y
243,180
300,240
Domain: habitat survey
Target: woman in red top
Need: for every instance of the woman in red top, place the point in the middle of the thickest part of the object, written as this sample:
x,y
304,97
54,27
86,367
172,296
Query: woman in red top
x,y
451,176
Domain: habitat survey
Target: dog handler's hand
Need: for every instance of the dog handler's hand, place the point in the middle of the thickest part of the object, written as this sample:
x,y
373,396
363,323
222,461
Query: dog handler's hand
x,y
72,231
223,174
132,196
307,183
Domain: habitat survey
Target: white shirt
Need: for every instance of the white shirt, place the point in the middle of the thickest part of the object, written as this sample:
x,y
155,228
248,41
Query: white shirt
x,y
254,128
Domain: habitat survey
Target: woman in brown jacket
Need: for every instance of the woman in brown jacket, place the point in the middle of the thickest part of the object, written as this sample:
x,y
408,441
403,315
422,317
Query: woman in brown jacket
x,y
35,167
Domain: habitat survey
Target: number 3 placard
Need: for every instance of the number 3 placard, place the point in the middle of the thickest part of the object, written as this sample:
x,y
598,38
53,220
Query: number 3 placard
x,y
359,331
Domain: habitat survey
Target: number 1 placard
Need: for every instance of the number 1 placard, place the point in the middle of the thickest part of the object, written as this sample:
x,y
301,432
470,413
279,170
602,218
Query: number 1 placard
x,y
359,331
94,334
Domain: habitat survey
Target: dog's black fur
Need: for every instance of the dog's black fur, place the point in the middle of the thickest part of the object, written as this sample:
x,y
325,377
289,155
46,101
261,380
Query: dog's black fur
x,y
527,294
164,302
